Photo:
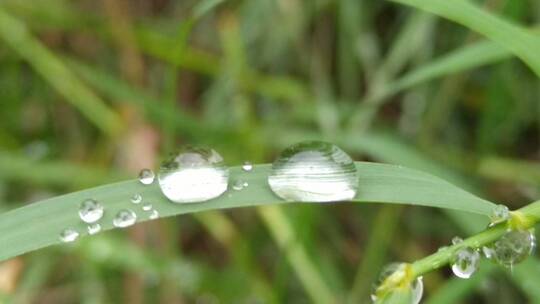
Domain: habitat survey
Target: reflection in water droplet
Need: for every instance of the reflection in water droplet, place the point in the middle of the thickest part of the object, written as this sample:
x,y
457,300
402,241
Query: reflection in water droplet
x,y
136,198
154,214
94,228
513,247
465,262
314,171
69,235
147,207
193,175
247,166
397,272
146,176
124,218
90,211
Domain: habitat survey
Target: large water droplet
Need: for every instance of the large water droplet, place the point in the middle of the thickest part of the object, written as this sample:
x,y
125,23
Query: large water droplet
x,y
398,272
136,198
513,247
93,228
314,171
193,175
124,218
146,176
69,235
90,211
247,166
465,262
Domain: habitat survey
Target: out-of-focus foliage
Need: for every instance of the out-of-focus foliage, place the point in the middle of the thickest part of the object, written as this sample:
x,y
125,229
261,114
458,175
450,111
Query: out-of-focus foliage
x,y
93,88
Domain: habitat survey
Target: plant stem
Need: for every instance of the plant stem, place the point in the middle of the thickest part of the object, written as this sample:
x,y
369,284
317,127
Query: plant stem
x,y
443,257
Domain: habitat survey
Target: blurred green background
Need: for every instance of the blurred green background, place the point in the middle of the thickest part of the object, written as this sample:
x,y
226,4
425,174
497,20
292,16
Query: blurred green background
x,y
93,91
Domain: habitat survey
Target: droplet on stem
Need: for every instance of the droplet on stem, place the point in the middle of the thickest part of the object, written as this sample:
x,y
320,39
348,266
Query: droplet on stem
x,y
465,262
513,247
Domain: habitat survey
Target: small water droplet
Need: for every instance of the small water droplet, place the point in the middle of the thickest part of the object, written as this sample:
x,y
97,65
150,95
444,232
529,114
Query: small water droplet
x,y
193,175
247,166
136,198
93,228
488,252
513,247
147,207
154,214
69,235
500,213
457,240
146,176
124,218
90,211
465,262
314,171
239,185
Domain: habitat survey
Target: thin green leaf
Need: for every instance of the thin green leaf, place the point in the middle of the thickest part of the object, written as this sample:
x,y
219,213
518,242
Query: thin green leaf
x,y
379,183
520,41
17,36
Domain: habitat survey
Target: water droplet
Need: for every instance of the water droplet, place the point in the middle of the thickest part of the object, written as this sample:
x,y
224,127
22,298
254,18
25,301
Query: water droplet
x,y
465,262
499,214
124,218
247,166
147,207
146,176
488,252
513,247
93,228
239,185
69,235
136,198
417,287
154,214
398,272
90,211
314,171
193,175
456,240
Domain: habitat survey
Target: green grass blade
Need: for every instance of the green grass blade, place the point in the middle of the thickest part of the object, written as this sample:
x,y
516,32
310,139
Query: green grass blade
x,y
17,36
379,183
520,41
374,255
466,58
284,234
